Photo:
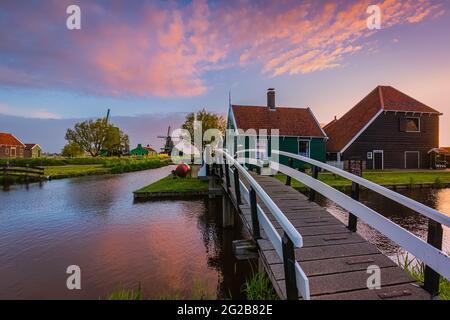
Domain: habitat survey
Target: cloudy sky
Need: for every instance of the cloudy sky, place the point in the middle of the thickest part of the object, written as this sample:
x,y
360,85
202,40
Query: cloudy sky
x,y
152,61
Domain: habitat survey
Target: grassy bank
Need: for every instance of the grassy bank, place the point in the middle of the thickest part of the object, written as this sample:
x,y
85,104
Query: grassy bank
x,y
59,168
383,178
417,271
171,185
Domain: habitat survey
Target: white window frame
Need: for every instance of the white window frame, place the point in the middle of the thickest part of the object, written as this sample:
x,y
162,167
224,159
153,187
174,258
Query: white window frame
x,y
309,147
382,159
418,118
418,158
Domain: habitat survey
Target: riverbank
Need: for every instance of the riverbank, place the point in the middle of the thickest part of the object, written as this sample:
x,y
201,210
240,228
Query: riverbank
x,y
389,179
172,187
61,168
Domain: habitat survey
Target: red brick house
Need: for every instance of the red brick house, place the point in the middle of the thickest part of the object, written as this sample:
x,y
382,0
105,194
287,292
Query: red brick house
x,y
10,147
387,129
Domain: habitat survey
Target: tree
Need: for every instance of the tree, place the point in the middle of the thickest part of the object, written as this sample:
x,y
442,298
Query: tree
x,y
209,120
72,150
98,136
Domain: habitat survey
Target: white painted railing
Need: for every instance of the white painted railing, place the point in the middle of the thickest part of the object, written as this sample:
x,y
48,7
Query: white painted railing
x,y
302,281
438,260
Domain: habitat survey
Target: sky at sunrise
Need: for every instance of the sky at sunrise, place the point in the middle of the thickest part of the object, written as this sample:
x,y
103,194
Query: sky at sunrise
x,y
151,62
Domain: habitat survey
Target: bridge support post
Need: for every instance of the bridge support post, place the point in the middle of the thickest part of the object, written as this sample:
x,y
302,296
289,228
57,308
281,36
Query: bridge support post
x,y
434,237
254,213
352,219
237,187
227,212
289,268
315,175
227,174
288,178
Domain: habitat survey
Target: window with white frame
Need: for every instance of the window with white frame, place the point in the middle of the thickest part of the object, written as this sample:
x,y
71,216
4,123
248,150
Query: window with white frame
x,y
303,148
412,124
7,151
262,153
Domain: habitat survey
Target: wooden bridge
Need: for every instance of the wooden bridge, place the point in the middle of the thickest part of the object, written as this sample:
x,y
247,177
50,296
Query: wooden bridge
x,y
306,251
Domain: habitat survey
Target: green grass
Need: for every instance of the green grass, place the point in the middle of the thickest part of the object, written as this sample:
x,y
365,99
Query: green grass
x,y
417,271
126,294
171,184
59,168
59,172
382,177
259,288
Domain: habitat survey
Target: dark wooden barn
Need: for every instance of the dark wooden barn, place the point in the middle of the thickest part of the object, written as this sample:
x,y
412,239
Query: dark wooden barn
x,y
387,129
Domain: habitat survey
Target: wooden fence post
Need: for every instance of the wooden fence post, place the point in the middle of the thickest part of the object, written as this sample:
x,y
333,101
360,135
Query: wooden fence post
x,y
315,175
288,178
254,214
289,268
352,219
434,237
237,187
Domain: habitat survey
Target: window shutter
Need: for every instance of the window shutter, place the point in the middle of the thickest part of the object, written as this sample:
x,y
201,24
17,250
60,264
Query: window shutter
x,y
402,124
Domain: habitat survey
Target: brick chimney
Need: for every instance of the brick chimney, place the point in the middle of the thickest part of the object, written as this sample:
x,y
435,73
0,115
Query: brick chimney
x,y
271,99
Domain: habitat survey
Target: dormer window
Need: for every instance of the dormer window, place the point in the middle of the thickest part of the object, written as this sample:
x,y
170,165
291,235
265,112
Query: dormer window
x,y
412,124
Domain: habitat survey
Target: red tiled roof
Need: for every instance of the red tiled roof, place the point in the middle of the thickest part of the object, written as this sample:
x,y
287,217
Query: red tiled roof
x,y
150,149
9,140
386,98
289,121
29,146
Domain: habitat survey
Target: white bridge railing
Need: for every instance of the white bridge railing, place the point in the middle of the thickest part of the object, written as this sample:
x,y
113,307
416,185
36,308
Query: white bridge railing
x,y
430,253
297,283
437,262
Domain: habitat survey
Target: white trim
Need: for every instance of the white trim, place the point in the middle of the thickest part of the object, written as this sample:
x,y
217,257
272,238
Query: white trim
x,y
412,117
382,159
309,146
317,122
420,112
418,158
362,130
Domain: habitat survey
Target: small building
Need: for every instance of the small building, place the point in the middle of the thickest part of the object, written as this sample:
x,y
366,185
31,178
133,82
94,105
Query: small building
x,y
151,152
32,150
439,158
143,151
387,129
10,146
299,130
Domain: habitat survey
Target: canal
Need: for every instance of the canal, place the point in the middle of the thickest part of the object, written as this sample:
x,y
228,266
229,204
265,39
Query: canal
x,y
170,248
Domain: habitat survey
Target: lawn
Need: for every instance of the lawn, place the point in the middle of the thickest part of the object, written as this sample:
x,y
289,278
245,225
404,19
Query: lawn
x,y
59,172
59,168
180,185
382,178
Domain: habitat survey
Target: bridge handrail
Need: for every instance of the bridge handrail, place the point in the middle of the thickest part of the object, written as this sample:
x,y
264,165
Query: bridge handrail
x,y
401,199
287,226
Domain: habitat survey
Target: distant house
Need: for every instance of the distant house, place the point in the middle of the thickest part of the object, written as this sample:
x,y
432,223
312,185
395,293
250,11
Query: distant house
x,y
10,147
151,151
299,131
143,151
32,150
387,129
439,158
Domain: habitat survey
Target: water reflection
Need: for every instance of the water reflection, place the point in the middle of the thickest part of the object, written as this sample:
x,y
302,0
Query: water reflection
x,y
168,247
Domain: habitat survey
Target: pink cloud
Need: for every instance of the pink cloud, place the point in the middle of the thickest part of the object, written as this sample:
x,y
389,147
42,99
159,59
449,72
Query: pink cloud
x,y
167,49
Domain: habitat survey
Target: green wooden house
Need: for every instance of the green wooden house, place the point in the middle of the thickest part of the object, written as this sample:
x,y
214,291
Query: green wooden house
x,y
139,151
299,131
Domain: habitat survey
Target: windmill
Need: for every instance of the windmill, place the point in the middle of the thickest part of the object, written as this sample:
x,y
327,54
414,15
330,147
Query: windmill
x,y
168,146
